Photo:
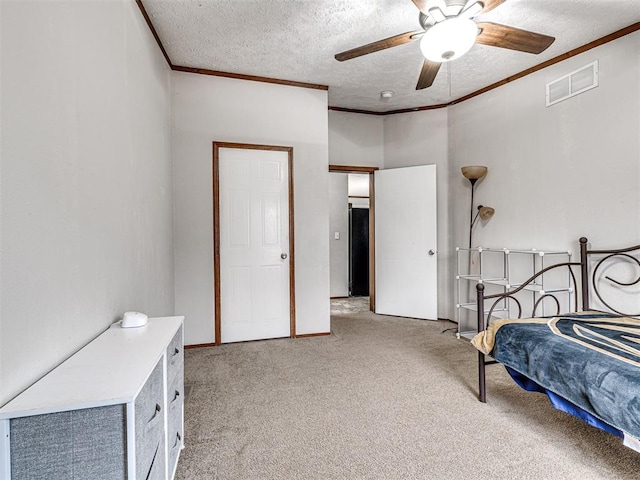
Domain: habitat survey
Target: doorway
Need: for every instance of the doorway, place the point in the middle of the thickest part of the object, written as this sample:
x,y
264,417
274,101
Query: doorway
x,y
357,263
402,240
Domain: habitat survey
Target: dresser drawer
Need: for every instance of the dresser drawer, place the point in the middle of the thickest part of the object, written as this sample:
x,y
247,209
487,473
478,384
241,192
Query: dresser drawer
x,y
175,356
156,470
175,400
72,445
149,425
175,444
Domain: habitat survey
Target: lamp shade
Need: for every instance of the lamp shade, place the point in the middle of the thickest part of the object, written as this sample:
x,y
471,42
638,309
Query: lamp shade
x,y
486,213
449,39
474,172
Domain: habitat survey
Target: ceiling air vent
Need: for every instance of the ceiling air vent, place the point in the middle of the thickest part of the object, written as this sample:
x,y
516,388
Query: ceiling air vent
x,y
572,84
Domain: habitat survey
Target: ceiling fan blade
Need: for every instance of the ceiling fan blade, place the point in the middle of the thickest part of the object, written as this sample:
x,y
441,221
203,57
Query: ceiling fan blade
x,y
377,46
496,35
428,74
491,4
422,6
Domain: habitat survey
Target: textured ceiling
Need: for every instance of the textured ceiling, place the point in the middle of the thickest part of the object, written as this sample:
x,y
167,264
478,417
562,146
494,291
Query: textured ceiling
x,y
296,40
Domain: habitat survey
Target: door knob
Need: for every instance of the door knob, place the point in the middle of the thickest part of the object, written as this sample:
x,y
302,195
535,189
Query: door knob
x,y
283,256
432,252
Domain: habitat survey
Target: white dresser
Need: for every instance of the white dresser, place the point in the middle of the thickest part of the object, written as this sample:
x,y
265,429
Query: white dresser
x,y
114,410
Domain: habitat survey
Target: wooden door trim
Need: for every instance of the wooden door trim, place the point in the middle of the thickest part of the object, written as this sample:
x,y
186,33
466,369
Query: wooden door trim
x,y
216,232
352,169
372,242
372,223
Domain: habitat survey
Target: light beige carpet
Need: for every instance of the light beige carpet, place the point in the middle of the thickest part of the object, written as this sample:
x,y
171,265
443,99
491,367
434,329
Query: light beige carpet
x,y
381,398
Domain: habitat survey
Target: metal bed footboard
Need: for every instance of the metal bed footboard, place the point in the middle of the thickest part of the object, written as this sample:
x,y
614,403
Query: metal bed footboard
x,y
496,298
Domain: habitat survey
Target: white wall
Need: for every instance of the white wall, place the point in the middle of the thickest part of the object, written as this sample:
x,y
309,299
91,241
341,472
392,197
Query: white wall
x,y
339,222
555,173
85,173
356,139
421,138
207,109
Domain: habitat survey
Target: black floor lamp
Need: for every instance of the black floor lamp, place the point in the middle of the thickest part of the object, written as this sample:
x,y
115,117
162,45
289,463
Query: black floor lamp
x,y
473,174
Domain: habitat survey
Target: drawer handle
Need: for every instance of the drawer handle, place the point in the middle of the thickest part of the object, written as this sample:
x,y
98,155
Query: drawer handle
x,y
156,415
175,398
153,460
178,440
176,352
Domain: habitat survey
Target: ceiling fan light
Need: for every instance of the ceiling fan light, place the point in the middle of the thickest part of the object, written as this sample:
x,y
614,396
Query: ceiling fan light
x,y
448,40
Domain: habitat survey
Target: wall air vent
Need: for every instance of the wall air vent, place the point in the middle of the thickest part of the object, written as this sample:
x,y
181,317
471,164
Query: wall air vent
x,y
576,82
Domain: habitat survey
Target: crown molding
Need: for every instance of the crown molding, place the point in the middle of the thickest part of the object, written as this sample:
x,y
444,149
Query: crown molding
x,y
154,32
572,53
252,78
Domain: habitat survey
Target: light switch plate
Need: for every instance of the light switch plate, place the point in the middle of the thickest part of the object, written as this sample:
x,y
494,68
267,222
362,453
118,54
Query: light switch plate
x,y
336,235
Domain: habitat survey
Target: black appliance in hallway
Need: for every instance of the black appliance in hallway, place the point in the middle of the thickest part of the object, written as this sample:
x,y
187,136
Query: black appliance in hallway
x,y
358,251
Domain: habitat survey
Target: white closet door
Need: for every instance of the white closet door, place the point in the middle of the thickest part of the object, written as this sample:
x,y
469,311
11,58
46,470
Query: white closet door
x,y
406,242
254,244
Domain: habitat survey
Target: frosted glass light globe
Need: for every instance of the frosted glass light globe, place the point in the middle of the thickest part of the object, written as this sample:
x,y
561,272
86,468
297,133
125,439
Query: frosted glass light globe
x,y
449,39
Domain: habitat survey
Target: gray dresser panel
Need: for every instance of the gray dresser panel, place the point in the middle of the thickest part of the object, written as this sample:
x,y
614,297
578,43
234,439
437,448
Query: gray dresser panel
x,y
100,442
149,421
78,444
38,447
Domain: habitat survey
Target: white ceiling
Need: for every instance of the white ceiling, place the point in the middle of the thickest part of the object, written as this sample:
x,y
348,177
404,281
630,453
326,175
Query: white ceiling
x,y
297,39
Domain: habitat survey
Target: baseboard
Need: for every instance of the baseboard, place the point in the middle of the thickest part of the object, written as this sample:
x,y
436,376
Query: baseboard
x,y
304,335
199,345
307,335
339,298
446,320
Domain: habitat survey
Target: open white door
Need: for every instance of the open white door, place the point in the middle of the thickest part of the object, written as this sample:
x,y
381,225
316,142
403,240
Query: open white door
x,y
406,242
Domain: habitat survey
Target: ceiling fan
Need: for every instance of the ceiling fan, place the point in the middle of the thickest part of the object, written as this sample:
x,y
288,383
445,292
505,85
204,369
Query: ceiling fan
x,y
449,32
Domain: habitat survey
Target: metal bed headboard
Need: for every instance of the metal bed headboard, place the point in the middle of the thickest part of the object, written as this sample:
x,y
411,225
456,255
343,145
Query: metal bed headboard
x,y
585,254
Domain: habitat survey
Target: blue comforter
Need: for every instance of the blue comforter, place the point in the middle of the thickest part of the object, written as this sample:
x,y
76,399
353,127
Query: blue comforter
x,y
591,360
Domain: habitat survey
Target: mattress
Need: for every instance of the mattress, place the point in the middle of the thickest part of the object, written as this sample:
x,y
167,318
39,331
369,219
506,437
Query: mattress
x,y
588,363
